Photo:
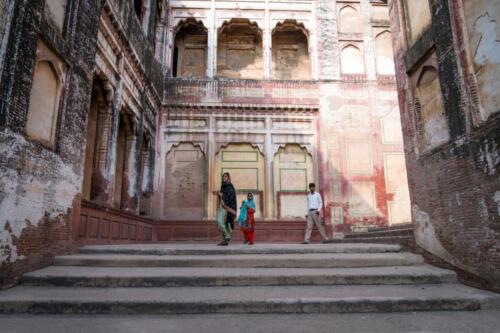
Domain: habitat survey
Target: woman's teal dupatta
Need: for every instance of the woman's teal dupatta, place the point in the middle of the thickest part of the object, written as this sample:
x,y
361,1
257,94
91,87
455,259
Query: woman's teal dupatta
x,y
242,219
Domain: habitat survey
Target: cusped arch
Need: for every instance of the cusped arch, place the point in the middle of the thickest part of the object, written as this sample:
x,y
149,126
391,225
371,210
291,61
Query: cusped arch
x,y
222,146
384,53
290,24
227,24
240,50
290,51
190,49
188,22
349,19
352,61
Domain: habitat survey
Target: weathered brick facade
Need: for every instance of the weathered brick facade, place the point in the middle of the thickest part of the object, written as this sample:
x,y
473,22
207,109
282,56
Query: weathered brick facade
x,y
41,183
447,72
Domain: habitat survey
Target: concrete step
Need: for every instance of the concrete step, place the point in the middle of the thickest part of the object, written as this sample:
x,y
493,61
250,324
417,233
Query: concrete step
x,y
315,260
236,248
276,300
88,276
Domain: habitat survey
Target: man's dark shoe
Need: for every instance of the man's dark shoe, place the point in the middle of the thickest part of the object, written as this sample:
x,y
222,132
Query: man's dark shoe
x,y
223,243
325,241
304,242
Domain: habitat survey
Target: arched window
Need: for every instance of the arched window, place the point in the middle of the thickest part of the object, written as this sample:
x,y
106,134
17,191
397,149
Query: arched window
x,y
384,54
239,50
44,104
350,20
190,52
352,60
290,52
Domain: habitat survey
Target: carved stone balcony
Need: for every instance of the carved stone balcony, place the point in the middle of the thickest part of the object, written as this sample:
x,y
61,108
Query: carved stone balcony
x,y
243,93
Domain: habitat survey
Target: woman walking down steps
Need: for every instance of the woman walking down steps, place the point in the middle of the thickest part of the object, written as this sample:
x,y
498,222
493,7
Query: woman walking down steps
x,y
227,209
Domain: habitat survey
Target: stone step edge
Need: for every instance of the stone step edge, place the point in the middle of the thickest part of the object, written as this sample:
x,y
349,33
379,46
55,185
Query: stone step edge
x,y
390,248
275,306
220,281
251,262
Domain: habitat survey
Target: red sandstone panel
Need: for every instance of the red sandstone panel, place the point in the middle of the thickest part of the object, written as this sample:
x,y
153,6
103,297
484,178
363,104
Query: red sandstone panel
x,y
82,226
149,233
105,223
123,231
115,230
93,227
132,232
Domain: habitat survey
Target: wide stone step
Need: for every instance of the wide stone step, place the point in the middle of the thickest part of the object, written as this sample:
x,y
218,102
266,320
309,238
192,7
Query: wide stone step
x,y
88,276
194,300
236,248
315,260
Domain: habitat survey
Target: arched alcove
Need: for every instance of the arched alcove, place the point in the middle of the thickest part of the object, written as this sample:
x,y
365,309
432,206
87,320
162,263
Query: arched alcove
x,y
239,50
433,126
44,104
384,54
190,50
350,20
293,170
290,52
185,183
351,60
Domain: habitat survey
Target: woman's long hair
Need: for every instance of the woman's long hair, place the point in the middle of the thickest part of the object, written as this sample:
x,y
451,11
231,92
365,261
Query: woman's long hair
x,y
228,177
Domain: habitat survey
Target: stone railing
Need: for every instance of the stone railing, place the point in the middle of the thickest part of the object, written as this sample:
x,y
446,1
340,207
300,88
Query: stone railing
x,y
245,92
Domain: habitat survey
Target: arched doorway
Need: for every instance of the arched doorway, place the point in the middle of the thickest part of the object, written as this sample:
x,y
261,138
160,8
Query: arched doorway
x,y
185,183
246,166
293,171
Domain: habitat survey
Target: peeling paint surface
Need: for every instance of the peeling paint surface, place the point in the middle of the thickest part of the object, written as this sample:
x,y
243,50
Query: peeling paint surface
x,y
496,198
489,157
488,47
27,199
483,25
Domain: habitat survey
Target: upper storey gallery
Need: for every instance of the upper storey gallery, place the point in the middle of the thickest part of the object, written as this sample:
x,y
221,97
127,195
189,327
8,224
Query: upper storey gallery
x,y
277,39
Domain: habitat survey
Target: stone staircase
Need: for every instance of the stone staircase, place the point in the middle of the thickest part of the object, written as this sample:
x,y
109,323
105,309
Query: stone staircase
x,y
262,279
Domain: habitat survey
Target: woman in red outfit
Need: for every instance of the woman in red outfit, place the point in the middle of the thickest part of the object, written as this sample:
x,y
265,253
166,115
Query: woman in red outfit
x,y
246,219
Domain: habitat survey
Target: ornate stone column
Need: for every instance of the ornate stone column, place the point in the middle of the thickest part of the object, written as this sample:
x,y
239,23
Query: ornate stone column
x,y
113,134
100,182
132,167
212,43
267,44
